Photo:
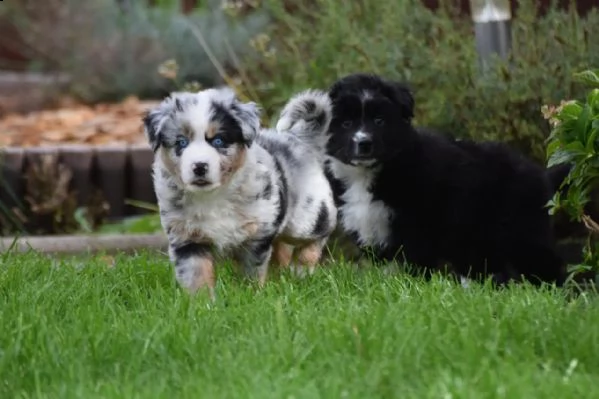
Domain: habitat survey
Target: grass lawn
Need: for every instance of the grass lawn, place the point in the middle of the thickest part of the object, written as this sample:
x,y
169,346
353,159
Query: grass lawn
x,y
128,331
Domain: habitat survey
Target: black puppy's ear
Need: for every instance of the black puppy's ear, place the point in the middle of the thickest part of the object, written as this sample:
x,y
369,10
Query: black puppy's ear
x,y
402,96
154,137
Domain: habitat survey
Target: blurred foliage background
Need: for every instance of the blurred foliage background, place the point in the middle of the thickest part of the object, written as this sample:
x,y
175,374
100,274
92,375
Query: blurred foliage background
x,y
269,49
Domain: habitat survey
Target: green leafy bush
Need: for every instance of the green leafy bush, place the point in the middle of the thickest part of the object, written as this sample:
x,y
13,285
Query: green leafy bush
x,y
574,140
111,50
321,40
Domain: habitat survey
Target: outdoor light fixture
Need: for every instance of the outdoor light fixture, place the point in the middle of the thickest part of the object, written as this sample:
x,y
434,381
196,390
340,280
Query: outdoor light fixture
x,y
492,27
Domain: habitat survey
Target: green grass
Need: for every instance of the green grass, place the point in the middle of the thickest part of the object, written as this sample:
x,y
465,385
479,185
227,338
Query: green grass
x,y
77,328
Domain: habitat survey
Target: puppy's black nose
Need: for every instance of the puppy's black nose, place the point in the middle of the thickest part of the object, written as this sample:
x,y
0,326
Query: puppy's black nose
x,y
200,169
363,146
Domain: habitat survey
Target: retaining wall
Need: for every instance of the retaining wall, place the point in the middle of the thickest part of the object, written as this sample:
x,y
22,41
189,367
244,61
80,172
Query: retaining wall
x,y
119,172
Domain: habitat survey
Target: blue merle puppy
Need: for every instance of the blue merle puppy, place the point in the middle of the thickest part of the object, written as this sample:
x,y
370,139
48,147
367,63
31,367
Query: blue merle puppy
x,y
226,186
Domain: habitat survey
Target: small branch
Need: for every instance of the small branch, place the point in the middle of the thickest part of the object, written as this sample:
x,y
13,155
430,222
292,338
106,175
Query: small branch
x,y
590,224
217,65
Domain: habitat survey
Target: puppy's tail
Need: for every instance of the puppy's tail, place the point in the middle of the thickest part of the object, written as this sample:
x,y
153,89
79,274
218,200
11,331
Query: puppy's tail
x,y
308,115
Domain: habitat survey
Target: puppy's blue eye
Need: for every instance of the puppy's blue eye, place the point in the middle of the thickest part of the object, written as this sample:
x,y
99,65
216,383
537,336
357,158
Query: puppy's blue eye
x,y
379,121
218,142
346,124
182,142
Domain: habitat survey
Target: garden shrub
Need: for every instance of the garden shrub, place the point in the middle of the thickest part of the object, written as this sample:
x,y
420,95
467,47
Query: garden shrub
x,y
574,141
434,51
110,49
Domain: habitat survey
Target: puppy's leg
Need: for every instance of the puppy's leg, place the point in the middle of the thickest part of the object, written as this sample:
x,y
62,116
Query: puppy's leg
x,y
256,258
306,257
418,255
538,263
282,254
194,266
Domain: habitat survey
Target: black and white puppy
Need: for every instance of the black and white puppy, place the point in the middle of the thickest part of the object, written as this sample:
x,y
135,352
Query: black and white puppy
x,y
433,200
226,186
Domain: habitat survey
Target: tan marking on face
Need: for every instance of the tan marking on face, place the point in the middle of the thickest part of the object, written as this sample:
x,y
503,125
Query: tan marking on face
x,y
232,163
188,131
281,254
203,275
213,129
169,163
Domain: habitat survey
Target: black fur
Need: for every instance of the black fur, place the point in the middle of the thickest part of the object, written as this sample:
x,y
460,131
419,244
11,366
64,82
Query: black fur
x,y
309,201
267,192
230,130
259,249
283,190
189,249
149,120
281,148
310,107
178,105
477,206
321,226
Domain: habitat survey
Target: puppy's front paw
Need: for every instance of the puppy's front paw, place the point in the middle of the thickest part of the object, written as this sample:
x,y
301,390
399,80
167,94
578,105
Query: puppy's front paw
x,y
194,268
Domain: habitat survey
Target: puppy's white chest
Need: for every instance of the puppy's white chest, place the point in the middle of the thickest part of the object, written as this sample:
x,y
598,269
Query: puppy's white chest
x,y
226,226
369,218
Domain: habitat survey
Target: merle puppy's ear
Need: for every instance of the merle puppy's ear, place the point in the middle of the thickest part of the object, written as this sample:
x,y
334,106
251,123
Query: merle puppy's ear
x,y
151,121
159,118
248,117
402,96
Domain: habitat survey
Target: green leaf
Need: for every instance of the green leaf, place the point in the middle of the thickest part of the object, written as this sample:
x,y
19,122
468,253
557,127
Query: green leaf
x,y
80,217
593,99
142,205
146,224
588,77
561,156
593,137
570,111
575,146
566,131
553,146
582,131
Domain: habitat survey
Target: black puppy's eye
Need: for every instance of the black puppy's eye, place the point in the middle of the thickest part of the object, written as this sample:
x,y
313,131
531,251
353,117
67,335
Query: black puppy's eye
x,y
346,124
379,121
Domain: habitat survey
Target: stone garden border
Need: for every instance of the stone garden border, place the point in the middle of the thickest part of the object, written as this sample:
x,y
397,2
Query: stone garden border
x,y
81,244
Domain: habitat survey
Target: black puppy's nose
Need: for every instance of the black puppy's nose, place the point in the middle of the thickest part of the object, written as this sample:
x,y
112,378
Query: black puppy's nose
x,y
200,169
363,145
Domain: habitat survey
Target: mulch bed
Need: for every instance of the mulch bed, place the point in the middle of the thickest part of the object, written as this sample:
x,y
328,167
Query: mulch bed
x,y
71,123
